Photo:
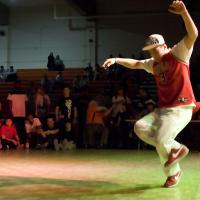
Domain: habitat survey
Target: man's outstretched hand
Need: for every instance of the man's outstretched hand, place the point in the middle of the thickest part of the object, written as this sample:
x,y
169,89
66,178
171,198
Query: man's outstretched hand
x,y
109,62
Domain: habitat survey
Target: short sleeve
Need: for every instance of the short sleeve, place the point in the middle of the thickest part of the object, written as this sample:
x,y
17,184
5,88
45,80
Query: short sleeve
x,y
9,97
26,98
181,52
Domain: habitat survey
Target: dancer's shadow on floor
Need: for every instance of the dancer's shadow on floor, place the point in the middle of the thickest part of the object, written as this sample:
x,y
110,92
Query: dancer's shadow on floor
x,y
21,188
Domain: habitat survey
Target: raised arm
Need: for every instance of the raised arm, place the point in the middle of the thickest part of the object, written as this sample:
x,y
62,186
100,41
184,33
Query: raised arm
x,y
178,7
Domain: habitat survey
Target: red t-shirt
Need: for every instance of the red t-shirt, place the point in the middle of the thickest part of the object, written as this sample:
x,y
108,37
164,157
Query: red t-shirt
x,y
8,132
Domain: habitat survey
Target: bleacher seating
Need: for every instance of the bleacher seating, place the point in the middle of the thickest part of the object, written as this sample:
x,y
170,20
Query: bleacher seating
x,y
28,75
37,74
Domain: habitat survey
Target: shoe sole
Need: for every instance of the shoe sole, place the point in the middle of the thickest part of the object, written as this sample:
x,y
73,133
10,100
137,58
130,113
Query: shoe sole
x,y
179,159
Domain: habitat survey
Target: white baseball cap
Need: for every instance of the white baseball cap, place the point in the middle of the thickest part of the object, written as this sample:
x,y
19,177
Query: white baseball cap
x,y
153,41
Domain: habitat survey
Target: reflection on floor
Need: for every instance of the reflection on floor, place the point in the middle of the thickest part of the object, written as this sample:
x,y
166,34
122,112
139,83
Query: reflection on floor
x,y
93,175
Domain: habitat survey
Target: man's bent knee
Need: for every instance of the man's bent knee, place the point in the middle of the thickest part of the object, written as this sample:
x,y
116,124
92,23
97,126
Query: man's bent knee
x,y
139,127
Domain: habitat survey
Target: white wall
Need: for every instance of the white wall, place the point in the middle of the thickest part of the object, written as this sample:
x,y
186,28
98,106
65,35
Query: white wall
x,y
34,33
4,46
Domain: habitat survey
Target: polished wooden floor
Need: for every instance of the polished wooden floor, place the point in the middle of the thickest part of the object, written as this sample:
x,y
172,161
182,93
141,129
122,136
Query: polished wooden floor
x,y
93,175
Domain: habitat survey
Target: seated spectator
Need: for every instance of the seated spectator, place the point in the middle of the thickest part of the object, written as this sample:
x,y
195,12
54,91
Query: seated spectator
x,y
65,141
88,72
84,82
51,62
59,78
2,73
42,104
9,136
150,105
50,132
2,70
59,66
11,74
58,81
77,84
33,128
11,70
45,82
80,83
141,98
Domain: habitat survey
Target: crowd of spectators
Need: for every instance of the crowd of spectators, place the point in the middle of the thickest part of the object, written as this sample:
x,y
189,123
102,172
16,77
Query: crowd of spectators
x,y
8,74
77,119
55,63
32,125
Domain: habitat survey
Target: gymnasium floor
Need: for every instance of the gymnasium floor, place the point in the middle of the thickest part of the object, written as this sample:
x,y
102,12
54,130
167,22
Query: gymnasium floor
x,y
93,175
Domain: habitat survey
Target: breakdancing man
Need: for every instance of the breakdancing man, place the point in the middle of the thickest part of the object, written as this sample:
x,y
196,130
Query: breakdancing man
x,y
170,67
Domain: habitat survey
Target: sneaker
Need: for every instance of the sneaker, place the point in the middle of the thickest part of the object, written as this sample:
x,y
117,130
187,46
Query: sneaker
x,y
172,181
176,155
27,145
56,145
65,144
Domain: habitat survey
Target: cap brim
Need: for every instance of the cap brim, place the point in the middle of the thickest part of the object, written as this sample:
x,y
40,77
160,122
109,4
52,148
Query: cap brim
x,y
152,46
149,47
